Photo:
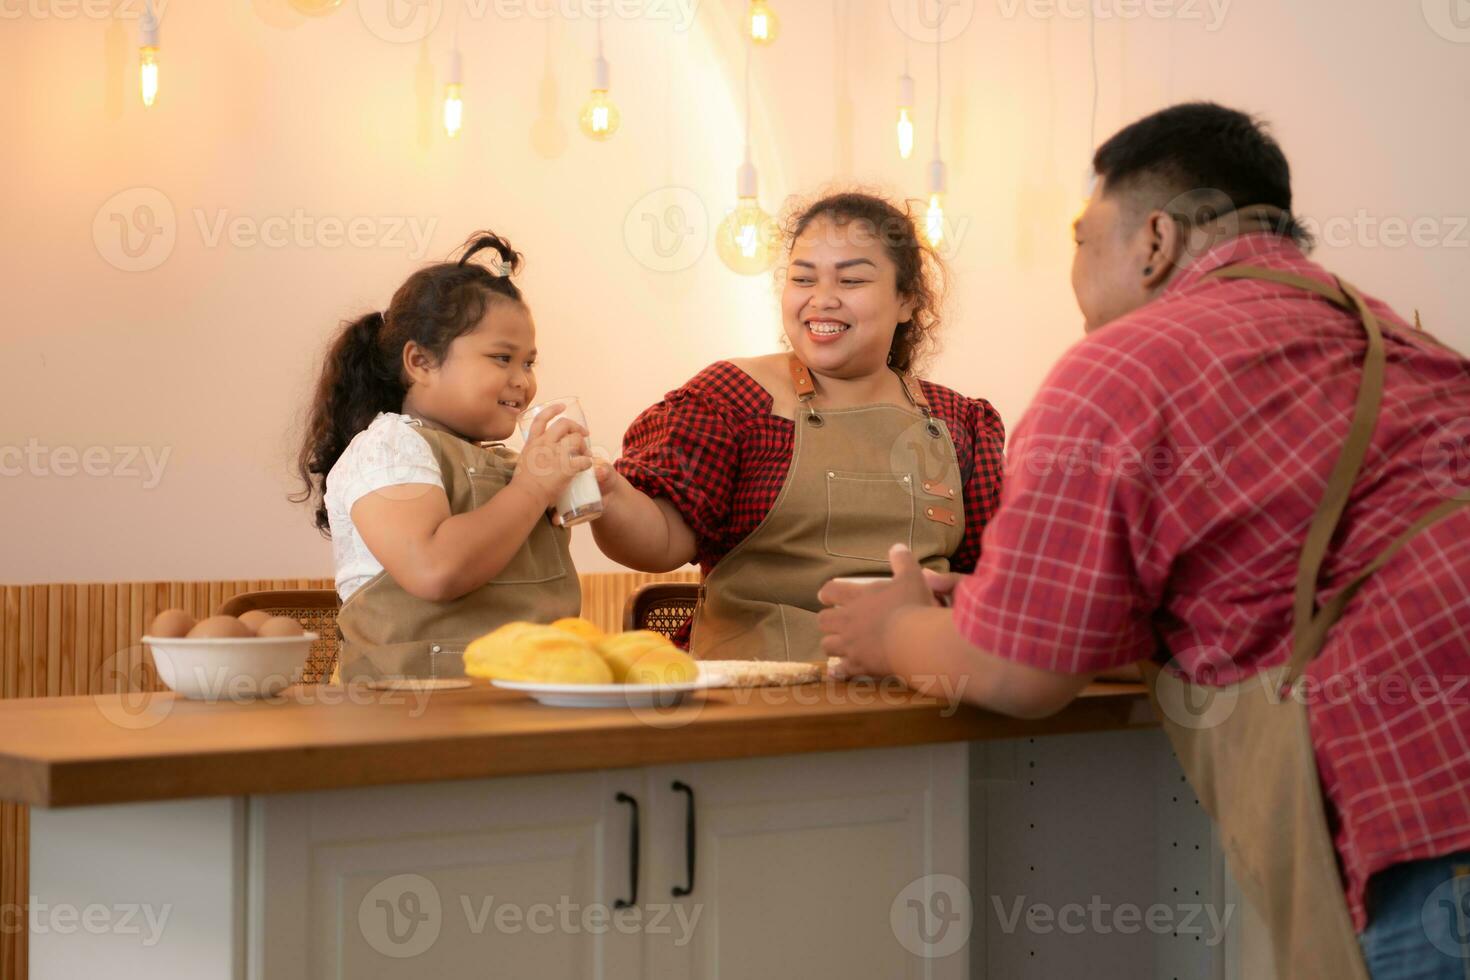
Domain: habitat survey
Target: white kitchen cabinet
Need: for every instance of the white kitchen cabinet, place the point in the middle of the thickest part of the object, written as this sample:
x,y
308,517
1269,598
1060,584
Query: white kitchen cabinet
x,y
451,880
800,863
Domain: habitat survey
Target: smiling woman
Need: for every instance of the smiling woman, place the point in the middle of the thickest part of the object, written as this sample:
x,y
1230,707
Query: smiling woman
x,y
777,473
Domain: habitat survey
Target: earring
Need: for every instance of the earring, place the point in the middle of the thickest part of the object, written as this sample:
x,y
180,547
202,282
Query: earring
x,y
1148,270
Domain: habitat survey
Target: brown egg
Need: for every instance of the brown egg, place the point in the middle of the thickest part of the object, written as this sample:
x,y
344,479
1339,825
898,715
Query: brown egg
x,y
219,627
280,626
254,618
172,622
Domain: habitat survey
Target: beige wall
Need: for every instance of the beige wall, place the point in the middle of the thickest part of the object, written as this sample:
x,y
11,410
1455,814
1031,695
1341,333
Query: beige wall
x,y
207,355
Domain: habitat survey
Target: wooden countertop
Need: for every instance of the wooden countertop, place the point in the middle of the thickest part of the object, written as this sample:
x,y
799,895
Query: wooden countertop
x,y
80,751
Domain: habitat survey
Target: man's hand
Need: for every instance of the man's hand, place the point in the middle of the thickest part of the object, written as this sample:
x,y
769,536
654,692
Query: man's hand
x,y
856,626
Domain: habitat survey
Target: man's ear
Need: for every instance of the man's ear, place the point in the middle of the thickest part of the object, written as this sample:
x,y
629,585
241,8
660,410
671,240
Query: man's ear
x,y
417,364
1165,244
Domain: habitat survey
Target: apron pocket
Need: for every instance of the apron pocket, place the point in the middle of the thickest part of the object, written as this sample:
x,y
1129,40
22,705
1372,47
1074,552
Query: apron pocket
x,y
868,513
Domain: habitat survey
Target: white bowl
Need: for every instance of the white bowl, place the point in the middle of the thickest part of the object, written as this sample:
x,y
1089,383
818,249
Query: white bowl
x,y
230,668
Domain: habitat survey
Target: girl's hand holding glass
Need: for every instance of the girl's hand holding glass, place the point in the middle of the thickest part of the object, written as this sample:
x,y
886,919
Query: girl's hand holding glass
x,y
555,452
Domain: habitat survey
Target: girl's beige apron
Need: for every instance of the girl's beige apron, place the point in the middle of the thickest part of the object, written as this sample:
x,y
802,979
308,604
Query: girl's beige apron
x,y
1248,751
861,480
386,632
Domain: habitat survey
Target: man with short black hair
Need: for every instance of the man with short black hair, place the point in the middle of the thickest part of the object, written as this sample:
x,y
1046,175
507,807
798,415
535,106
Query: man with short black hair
x,y
1249,470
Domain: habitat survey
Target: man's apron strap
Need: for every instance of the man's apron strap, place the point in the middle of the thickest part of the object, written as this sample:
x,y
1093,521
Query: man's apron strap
x,y
1286,279
1307,633
1311,624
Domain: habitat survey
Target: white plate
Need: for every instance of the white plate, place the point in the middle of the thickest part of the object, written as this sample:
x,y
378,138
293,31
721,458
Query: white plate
x,y
612,695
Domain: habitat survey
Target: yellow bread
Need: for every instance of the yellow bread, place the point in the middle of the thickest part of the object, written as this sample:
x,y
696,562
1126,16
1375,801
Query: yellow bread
x,y
580,627
539,654
646,657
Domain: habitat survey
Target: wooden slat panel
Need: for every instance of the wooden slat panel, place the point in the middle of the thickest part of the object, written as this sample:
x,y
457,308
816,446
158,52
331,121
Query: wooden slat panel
x,y
30,643
136,628
89,664
100,679
66,653
604,594
10,647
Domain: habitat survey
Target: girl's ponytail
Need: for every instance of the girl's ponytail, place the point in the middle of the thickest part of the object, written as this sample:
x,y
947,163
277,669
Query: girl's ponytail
x,y
359,380
510,259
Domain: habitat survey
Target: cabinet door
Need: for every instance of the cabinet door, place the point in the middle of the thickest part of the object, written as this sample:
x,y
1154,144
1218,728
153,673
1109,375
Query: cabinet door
x,y
834,865
490,878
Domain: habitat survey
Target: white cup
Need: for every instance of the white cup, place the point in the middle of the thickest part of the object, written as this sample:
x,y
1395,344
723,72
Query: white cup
x,y
870,580
581,501
864,579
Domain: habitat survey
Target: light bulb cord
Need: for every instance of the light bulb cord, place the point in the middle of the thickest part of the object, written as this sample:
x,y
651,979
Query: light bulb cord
x,y
1092,51
748,46
907,37
938,78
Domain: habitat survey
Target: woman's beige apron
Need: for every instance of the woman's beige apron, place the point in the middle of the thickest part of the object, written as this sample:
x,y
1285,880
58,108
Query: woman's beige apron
x,y
1248,753
387,632
861,480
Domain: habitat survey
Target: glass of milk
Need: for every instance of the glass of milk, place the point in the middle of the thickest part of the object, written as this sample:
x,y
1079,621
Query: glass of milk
x,y
581,501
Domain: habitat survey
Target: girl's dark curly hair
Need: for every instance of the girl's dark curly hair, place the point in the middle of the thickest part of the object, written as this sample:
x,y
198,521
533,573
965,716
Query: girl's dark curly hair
x,y
920,270
362,374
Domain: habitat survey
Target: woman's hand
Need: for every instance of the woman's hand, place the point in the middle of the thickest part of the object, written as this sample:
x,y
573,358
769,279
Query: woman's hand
x,y
607,477
555,451
942,584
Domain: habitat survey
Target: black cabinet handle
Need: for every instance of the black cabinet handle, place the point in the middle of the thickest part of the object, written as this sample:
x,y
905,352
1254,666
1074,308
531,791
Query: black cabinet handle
x,y
632,855
687,889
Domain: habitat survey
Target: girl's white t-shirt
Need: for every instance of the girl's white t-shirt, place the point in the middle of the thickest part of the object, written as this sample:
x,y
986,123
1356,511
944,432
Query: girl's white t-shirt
x,y
389,452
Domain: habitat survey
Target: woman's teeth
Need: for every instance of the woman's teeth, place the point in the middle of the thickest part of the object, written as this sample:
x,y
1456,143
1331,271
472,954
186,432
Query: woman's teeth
x,y
509,404
826,328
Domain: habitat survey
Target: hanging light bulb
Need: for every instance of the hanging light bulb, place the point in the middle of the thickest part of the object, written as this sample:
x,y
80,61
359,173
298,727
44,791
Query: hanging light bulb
x,y
938,173
934,214
905,115
600,118
746,239
763,23
148,55
453,100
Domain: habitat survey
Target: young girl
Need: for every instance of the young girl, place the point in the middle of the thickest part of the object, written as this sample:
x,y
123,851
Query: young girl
x,y
440,533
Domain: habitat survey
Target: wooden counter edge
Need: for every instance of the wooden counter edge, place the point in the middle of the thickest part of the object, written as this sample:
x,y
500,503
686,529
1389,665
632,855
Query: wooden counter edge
x,y
310,767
